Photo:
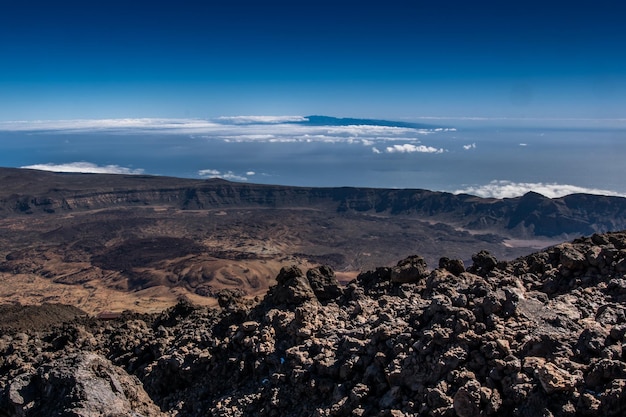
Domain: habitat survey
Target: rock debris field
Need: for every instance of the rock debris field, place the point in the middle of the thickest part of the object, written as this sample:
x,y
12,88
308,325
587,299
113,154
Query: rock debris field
x,y
542,335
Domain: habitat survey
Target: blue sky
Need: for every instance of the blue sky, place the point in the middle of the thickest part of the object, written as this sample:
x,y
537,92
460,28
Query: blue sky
x,y
392,59
528,95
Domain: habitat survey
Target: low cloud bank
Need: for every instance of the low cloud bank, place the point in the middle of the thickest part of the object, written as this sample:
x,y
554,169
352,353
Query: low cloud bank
x,y
227,175
261,119
85,167
237,129
411,148
97,125
509,189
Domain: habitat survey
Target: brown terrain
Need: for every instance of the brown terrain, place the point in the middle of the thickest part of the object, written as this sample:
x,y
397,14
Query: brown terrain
x,y
112,242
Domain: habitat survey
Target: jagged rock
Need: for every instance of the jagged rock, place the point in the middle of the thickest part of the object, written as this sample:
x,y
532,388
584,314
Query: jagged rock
x,y
554,379
81,385
535,336
232,301
571,258
484,262
292,287
467,400
454,266
324,283
408,270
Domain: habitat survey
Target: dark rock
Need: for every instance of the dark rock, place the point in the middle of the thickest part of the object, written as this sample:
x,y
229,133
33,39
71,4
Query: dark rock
x,y
542,335
571,258
454,266
292,287
324,283
467,400
83,384
411,269
484,263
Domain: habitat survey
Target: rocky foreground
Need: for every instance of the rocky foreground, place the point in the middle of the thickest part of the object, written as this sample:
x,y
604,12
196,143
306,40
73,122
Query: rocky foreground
x,y
542,335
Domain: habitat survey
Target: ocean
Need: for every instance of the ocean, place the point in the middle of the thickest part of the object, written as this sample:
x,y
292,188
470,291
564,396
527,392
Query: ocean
x,y
487,161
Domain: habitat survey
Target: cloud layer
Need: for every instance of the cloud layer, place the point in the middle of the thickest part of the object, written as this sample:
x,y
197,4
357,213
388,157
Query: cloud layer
x,y
95,125
241,129
261,119
85,167
509,189
410,148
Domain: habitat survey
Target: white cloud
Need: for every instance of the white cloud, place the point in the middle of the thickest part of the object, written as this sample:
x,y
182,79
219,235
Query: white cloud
x,y
375,150
470,146
523,144
208,172
85,167
369,130
235,129
233,177
247,138
142,124
411,148
228,175
509,189
250,173
262,119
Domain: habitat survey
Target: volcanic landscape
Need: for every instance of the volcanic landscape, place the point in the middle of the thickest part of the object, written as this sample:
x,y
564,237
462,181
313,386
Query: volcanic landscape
x,y
155,296
108,243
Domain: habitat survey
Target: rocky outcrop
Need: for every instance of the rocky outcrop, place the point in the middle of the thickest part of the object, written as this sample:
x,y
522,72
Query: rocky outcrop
x,y
409,270
541,335
81,385
324,283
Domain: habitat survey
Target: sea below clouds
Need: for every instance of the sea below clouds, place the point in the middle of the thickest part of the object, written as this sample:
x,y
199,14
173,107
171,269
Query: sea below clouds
x,y
330,152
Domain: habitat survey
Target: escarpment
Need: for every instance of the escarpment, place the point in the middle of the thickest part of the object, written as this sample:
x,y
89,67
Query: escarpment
x,y
35,192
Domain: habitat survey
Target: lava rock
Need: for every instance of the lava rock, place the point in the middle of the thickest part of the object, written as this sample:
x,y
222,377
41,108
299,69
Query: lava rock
x,y
411,269
324,283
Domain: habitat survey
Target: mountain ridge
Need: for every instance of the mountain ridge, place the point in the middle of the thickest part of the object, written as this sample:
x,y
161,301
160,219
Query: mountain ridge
x,y
582,214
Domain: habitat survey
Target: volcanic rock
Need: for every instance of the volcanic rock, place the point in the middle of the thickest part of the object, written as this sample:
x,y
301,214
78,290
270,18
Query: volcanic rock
x,y
81,385
541,335
324,283
410,269
293,287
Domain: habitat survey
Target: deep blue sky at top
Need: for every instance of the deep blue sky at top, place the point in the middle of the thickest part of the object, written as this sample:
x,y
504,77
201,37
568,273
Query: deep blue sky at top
x,y
386,59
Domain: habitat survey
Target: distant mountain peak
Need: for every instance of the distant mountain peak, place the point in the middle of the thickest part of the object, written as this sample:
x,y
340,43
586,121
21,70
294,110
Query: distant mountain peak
x,y
533,195
321,120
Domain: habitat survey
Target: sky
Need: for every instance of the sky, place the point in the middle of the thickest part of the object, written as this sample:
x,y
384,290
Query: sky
x,y
512,96
393,59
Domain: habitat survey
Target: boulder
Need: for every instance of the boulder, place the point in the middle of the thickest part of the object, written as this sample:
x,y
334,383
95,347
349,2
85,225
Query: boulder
x,y
81,385
411,269
292,288
571,258
324,283
484,262
454,266
554,379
